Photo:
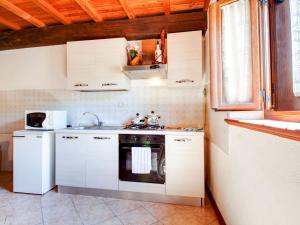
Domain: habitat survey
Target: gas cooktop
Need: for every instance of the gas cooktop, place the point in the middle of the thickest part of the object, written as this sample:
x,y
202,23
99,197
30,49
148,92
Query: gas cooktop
x,y
144,127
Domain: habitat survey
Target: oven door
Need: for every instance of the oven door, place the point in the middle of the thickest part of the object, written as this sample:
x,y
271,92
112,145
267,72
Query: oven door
x,y
157,173
36,120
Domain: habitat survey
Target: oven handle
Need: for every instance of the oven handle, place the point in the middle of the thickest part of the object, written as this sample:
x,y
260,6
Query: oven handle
x,y
129,147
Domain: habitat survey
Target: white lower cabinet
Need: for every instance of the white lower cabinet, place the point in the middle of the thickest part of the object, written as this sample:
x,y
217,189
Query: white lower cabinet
x,y
87,160
91,161
185,165
102,162
70,160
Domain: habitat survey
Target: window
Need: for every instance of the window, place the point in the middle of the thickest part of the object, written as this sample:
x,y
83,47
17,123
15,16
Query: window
x,y
234,55
285,54
295,39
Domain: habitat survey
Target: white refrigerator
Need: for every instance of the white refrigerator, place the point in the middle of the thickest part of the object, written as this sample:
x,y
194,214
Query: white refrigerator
x,y
33,161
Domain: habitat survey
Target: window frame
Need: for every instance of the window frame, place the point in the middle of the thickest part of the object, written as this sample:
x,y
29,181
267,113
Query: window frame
x,y
283,98
216,58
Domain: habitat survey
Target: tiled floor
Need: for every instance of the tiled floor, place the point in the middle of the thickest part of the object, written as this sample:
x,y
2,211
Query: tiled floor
x,y
64,209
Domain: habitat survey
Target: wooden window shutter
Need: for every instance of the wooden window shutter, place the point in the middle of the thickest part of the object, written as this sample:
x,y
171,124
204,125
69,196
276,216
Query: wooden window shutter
x,y
234,55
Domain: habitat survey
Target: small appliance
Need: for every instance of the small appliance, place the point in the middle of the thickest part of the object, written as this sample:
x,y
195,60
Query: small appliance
x,y
33,168
45,119
155,144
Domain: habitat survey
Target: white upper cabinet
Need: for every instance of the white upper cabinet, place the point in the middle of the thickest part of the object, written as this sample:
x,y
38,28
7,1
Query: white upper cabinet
x,y
185,59
33,68
96,65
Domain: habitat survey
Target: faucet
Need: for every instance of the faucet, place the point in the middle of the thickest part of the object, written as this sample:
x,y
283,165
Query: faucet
x,y
99,123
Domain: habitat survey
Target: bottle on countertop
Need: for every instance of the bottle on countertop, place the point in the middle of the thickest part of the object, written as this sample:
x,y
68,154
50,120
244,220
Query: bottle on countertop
x,y
158,53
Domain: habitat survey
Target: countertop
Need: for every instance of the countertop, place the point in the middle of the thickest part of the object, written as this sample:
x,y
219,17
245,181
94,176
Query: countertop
x,y
120,130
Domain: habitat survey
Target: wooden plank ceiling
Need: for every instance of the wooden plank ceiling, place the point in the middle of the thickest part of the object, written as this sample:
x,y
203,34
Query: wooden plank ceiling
x,y
18,18
22,14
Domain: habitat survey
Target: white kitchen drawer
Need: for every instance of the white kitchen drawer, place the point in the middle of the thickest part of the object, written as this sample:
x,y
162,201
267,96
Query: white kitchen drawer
x,y
191,143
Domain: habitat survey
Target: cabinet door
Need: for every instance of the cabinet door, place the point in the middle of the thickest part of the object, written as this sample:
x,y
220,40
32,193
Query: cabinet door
x,y
70,160
185,165
81,65
234,55
110,57
96,65
185,59
102,161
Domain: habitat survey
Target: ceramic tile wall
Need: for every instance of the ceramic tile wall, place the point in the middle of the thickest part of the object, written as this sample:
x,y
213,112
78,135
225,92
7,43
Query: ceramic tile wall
x,y
179,107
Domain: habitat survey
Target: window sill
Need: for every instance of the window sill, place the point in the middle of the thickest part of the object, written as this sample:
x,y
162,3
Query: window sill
x,y
282,129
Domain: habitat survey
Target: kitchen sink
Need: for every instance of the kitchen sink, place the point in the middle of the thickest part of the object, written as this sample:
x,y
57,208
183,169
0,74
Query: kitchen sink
x,y
97,128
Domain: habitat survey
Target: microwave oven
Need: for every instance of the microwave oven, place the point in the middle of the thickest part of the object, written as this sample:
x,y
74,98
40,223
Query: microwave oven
x,y
45,120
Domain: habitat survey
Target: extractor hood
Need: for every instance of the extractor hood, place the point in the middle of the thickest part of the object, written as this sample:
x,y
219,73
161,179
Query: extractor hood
x,y
146,71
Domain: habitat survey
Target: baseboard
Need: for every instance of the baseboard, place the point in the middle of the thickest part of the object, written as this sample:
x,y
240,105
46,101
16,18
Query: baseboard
x,y
215,207
138,196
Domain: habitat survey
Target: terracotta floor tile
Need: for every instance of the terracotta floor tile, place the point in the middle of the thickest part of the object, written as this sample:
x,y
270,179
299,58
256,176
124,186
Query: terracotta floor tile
x,y
113,221
95,214
120,206
159,210
138,216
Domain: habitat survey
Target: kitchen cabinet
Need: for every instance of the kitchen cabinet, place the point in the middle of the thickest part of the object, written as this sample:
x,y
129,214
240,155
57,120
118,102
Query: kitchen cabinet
x,y
102,161
96,65
185,59
87,160
185,165
70,159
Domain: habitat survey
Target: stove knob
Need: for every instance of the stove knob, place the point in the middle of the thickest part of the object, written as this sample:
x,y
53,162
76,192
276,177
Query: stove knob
x,y
134,138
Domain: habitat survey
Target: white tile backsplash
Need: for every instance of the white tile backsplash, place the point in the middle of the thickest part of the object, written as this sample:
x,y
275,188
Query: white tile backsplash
x,y
177,107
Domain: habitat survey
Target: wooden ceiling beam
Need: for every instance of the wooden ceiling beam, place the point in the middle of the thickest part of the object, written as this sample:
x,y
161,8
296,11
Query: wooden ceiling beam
x,y
167,7
140,28
86,6
9,24
52,11
21,13
206,4
127,9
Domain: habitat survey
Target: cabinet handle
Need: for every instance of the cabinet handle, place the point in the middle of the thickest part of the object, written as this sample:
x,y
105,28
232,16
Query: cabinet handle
x,y
184,81
81,85
70,137
182,139
102,138
18,136
109,84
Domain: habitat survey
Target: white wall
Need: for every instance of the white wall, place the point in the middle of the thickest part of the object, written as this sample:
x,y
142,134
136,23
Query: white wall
x,y
258,181
33,67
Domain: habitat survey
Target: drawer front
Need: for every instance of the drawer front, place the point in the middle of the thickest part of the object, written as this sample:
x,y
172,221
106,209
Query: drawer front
x,y
190,143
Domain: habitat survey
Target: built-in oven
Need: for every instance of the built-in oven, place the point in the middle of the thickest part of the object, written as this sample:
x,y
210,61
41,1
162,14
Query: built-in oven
x,y
130,144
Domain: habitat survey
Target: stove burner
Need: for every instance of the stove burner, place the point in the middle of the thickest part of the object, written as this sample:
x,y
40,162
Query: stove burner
x,y
144,127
